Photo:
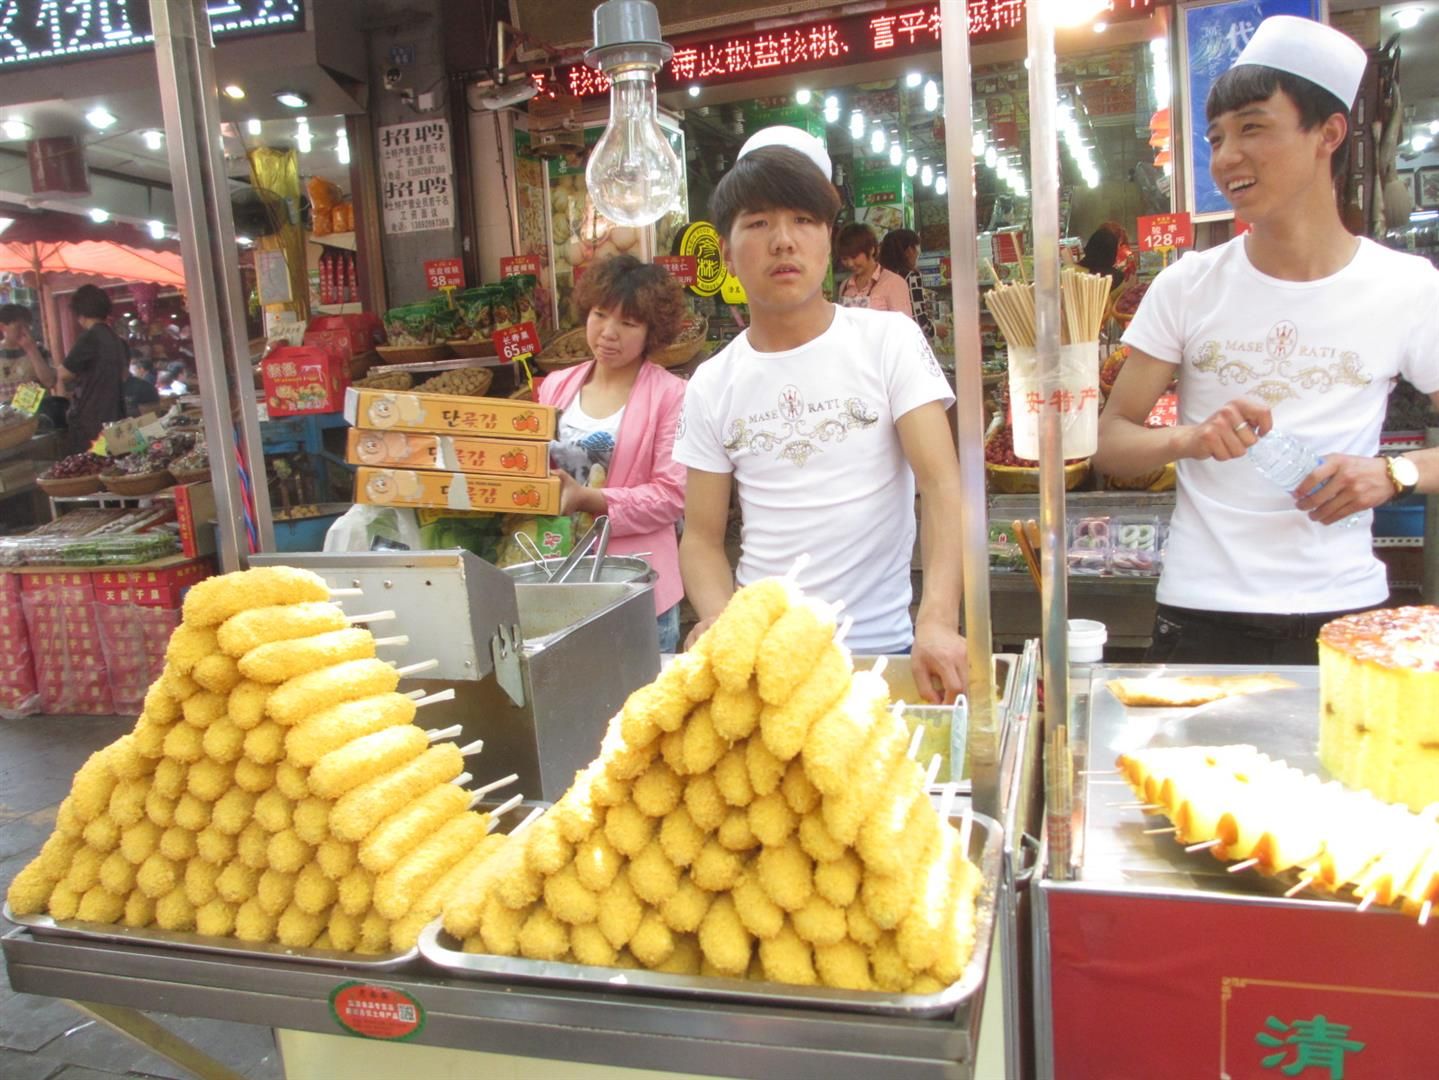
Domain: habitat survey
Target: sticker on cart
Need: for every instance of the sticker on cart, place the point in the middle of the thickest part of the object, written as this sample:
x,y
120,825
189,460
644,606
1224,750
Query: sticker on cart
x,y
377,1012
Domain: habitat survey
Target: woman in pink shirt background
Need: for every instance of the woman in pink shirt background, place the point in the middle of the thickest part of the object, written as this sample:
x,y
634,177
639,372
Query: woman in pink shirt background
x,y
618,413
869,284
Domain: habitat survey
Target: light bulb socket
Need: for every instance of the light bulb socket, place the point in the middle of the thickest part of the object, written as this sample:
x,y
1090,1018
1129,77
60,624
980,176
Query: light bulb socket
x,y
627,32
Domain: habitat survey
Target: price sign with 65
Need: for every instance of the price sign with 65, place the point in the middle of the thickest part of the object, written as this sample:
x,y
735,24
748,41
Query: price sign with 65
x,y
513,342
1165,232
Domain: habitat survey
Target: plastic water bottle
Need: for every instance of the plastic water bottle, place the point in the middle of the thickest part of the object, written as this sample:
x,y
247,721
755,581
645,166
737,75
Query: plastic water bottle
x,y
1284,461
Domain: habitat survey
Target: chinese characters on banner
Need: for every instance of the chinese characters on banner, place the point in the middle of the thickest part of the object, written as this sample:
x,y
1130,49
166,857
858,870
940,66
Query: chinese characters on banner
x,y
416,177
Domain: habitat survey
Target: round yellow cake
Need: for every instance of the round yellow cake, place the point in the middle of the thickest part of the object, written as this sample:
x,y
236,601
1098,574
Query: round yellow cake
x,y
1379,703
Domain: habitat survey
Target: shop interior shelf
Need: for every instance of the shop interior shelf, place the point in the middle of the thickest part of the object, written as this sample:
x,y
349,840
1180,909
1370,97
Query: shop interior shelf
x,y
344,240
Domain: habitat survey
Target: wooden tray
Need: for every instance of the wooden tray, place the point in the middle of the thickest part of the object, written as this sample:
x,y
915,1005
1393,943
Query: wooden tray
x,y
1010,480
70,485
13,435
472,350
139,484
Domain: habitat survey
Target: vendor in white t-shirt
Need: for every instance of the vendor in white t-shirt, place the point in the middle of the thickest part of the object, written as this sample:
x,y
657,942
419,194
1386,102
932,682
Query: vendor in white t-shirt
x,y
1297,326
824,419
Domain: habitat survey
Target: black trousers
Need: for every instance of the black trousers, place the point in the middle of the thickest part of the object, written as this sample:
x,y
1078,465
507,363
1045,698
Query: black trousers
x,y
1192,636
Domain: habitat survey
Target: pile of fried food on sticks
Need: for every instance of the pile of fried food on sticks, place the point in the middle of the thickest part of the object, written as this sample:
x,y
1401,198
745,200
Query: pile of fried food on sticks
x,y
275,787
752,813
1239,804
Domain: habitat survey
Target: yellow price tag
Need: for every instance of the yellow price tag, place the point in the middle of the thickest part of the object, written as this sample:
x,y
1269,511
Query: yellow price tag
x,y
28,397
449,291
732,292
98,447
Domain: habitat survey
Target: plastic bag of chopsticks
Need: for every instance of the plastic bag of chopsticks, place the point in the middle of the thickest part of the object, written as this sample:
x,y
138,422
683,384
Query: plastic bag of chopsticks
x,y
1074,389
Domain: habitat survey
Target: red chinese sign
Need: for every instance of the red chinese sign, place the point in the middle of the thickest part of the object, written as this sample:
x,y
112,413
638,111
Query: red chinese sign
x,y
513,342
519,264
1238,989
440,273
683,268
376,1012
851,39
1165,232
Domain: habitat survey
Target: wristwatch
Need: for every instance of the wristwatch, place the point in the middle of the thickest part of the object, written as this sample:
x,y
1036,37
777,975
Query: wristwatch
x,y
1403,474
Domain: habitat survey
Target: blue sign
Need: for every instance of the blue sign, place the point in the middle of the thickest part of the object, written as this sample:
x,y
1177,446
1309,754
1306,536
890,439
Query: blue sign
x,y
1214,36
36,32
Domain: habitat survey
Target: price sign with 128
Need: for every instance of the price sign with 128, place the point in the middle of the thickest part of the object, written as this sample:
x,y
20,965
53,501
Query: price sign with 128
x,y
514,342
1165,232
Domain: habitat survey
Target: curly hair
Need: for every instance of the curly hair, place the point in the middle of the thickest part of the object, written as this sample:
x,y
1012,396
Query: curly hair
x,y
642,291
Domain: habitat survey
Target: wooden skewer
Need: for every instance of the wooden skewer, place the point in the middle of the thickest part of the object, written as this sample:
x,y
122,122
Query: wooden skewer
x,y
797,567
463,779
415,669
914,742
441,734
437,696
1424,910
529,819
504,807
494,785
1098,772
932,771
398,639
1245,865
1161,832
346,592
1136,806
414,695
1205,845
375,616
473,748
946,800
1302,884
1108,783
1368,900
880,665
966,827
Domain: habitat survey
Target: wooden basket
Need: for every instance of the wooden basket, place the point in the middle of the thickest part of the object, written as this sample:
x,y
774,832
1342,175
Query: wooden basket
x,y
63,487
412,354
1012,480
138,484
678,353
567,350
1161,479
13,435
479,349
190,476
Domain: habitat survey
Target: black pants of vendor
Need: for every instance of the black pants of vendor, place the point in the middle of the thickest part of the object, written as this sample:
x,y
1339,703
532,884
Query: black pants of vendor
x,y
1192,636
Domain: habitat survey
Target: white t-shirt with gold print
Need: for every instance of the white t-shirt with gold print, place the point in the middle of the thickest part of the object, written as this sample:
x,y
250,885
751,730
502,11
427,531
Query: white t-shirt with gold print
x,y
809,436
1323,355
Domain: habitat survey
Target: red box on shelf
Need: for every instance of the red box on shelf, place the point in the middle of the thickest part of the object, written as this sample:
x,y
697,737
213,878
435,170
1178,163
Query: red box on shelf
x,y
344,336
304,379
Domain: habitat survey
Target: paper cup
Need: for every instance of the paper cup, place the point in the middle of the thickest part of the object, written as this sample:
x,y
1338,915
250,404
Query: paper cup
x,y
1075,394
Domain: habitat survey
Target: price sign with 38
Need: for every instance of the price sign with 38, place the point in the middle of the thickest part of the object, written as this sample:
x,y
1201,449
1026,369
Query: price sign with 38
x,y
513,342
1165,232
440,273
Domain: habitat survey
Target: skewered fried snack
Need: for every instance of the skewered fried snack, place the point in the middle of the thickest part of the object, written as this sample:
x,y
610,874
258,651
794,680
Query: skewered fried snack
x,y
282,660
212,601
329,729
249,629
304,695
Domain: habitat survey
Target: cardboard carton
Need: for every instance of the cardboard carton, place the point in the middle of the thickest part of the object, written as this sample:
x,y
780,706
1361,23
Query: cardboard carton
x,y
450,453
457,491
449,414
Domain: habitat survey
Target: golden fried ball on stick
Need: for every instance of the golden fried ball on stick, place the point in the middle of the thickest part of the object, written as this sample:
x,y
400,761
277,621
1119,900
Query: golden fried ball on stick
x,y
761,916
736,712
400,887
792,648
282,660
785,726
365,758
256,626
620,912
212,601
681,839
188,645
788,958
725,941
653,943
217,673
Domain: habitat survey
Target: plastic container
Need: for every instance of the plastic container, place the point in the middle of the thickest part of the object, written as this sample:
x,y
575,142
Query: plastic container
x,y
1086,641
1076,397
1284,461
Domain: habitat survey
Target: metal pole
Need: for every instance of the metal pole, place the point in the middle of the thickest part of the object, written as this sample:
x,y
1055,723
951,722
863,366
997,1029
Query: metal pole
x,y
207,243
969,394
1044,205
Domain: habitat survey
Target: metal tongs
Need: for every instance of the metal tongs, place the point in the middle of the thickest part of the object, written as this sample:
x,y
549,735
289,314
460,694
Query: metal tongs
x,y
599,531
530,548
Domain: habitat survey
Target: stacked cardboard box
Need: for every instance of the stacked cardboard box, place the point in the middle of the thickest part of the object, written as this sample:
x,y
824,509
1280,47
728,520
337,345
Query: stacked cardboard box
x,y
453,452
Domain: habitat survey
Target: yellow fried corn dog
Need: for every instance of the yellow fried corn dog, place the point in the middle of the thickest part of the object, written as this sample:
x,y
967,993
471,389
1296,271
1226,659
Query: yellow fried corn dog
x,y
282,660
398,888
360,810
402,831
256,626
331,728
299,698
212,601
365,758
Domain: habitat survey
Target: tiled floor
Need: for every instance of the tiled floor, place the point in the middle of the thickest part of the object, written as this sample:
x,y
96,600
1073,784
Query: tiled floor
x,y
45,1039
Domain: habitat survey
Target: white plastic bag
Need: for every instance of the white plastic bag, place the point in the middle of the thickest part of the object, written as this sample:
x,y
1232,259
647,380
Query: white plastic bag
x,y
374,528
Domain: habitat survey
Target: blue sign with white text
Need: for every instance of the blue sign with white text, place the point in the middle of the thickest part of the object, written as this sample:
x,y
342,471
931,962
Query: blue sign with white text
x,y
1214,36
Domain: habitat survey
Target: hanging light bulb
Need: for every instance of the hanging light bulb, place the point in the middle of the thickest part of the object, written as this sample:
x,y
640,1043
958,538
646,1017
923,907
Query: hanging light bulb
x,y
252,126
976,147
990,157
856,125
913,79
633,175
896,155
802,96
831,110
303,141
941,185
1001,168
926,176
911,166
877,140
342,148
154,139
157,229
931,96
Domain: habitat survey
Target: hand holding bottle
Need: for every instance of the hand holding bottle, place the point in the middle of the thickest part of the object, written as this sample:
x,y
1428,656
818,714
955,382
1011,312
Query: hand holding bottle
x,y
1230,432
1343,486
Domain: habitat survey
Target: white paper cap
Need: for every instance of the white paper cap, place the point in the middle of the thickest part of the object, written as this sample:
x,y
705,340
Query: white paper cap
x,y
1310,50
795,139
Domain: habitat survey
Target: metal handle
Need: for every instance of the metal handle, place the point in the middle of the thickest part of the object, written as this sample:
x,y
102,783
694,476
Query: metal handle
x,y
583,545
530,548
601,548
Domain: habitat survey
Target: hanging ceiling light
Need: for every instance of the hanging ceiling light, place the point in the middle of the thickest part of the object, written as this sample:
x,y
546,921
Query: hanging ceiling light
x,y
15,130
911,166
926,176
99,216
896,155
153,139
633,174
291,99
252,126
931,96
877,140
342,147
100,118
913,79
157,229
941,185
303,140
802,96
234,92
856,125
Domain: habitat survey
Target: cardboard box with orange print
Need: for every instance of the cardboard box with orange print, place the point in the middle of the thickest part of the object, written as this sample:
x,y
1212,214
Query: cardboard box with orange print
x,y
451,453
457,491
449,414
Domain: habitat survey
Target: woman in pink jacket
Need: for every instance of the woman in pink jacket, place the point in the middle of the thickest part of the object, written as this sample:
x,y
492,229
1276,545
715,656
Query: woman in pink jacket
x,y
618,413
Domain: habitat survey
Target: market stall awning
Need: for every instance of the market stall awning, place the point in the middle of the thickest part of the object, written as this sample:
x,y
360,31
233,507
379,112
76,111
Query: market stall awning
x,y
97,258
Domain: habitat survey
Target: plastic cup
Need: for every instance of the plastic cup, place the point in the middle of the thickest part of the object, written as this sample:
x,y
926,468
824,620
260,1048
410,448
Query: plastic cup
x,y
1075,395
1086,641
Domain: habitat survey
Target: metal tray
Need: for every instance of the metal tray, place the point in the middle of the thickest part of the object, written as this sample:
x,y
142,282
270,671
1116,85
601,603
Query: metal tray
x,y
44,926
985,850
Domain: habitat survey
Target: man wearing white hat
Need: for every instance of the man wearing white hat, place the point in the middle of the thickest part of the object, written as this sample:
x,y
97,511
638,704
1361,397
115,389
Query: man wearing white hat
x,y
824,420
1297,326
